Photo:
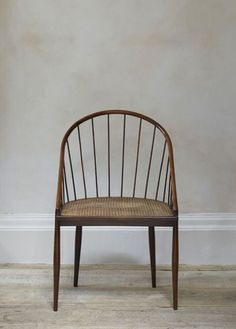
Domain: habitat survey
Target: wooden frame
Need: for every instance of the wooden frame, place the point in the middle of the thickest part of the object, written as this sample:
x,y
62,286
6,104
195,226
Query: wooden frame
x,y
149,221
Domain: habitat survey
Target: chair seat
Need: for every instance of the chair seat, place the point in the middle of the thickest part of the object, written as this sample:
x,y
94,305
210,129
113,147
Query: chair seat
x,y
116,207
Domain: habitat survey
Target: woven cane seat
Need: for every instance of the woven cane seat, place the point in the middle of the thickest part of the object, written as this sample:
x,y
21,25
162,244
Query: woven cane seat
x,y
116,207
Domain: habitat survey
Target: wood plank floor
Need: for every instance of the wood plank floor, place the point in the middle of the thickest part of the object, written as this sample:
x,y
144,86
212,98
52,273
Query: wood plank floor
x,y
116,297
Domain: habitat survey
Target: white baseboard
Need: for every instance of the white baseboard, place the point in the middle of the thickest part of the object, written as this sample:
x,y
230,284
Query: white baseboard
x,y
204,239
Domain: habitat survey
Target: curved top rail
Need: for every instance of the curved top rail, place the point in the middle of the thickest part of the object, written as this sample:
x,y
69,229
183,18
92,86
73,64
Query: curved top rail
x,y
115,111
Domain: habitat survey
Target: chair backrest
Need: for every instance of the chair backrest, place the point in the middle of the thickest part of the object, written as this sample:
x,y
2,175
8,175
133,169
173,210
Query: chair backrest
x,y
116,153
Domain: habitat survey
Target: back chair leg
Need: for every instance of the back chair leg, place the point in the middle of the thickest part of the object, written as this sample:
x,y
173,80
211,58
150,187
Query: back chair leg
x,y
56,266
152,250
78,239
175,265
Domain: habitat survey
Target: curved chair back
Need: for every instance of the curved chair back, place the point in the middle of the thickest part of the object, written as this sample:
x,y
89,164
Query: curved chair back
x,y
116,153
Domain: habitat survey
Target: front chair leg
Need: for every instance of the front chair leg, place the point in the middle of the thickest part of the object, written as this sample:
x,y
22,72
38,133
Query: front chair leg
x,y
56,266
152,250
78,239
175,265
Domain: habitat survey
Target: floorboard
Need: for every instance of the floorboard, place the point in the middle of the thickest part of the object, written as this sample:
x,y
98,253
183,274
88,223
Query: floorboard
x,y
117,297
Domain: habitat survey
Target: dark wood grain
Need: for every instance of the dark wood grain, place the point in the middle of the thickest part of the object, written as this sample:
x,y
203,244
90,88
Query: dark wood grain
x,y
175,265
56,265
78,240
152,251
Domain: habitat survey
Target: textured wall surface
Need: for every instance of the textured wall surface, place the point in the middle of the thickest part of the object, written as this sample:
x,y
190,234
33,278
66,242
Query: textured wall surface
x,y
174,60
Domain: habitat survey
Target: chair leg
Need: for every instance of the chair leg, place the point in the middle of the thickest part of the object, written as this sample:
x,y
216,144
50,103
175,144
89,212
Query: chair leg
x,y
78,239
56,266
152,250
175,265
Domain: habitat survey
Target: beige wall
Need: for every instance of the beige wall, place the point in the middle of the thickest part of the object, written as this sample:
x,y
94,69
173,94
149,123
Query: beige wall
x,y
173,60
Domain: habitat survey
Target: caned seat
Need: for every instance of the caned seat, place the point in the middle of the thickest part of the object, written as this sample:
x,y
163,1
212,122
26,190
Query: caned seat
x,y
116,169
116,207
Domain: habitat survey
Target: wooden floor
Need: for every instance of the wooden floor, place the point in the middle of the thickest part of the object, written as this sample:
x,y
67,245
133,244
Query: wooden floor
x,y
116,297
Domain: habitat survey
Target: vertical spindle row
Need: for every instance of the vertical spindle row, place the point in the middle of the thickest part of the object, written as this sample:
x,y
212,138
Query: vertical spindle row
x,y
163,183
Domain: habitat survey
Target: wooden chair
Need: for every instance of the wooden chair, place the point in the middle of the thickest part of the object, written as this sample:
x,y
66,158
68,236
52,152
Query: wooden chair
x,y
85,198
